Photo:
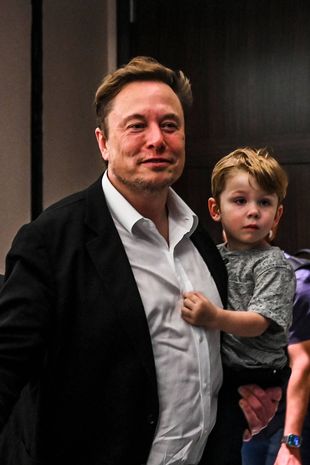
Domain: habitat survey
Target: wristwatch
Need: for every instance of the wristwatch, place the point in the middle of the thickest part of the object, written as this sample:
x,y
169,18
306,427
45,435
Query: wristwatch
x,y
292,440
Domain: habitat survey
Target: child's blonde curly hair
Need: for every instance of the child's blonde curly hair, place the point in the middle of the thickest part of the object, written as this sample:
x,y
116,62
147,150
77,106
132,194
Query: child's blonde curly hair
x,y
264,168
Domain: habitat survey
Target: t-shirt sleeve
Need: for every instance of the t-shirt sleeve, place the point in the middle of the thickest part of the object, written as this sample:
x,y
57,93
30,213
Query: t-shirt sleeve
x,y
274,292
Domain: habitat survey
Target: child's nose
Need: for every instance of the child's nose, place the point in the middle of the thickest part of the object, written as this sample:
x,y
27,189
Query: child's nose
x,y
253,210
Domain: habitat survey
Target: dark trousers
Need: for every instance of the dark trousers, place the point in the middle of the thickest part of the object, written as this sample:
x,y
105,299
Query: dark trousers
x,y
225,441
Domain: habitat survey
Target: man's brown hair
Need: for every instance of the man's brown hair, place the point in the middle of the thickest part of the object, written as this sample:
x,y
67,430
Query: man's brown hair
x,y
139,69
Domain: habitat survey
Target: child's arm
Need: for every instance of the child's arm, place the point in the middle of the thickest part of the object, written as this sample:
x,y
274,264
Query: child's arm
x,y
200,311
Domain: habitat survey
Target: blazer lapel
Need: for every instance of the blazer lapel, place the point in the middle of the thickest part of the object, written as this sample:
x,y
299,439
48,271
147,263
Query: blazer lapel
x,y
213,259
110,259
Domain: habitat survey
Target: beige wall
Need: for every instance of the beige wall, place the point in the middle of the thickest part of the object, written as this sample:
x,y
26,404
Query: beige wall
x,y
79,47
15,23
75,58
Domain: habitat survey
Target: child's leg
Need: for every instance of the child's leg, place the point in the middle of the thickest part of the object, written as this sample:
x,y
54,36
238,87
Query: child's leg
x,y
225,441
262,449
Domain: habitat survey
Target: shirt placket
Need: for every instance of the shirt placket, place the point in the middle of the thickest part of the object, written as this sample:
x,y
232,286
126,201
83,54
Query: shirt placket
x,y
202,350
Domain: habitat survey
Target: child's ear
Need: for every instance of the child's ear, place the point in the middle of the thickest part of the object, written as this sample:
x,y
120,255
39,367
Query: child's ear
x,y
214,209
278,215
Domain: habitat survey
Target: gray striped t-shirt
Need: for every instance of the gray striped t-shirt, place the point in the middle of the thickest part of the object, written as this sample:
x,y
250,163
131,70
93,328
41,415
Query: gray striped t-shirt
x,y
262,281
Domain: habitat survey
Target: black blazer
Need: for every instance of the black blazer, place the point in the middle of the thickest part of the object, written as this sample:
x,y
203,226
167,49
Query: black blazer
x,y
75,348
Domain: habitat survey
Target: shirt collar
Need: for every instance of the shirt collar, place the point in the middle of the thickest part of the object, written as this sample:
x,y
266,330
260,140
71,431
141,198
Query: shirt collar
x,y
179,211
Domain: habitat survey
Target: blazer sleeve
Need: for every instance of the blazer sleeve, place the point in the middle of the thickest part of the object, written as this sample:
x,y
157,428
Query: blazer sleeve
x,y
25,302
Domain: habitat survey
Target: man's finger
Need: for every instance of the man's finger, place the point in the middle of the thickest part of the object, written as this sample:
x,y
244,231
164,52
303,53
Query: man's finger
x,y
259,405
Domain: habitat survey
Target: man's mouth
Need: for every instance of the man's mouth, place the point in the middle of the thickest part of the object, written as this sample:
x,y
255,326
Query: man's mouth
x,y
157,161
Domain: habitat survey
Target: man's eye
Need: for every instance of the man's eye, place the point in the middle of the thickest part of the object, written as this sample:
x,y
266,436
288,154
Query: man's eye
x,y
169,126
136,126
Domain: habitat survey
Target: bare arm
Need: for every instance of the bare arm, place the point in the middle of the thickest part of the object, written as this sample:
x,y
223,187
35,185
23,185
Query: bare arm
x,y
200,311
298,392
298,389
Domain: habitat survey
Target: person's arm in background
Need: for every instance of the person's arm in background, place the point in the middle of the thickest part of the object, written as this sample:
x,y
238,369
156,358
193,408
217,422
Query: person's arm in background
x,y
298,392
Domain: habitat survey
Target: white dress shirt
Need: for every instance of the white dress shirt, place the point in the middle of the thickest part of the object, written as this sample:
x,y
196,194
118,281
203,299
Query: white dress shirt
x,y
187,358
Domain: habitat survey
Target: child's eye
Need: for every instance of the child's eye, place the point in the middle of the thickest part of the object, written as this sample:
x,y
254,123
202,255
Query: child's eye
x,y
240,201
265,202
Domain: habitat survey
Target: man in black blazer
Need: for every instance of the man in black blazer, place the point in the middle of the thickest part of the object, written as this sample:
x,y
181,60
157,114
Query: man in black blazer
x,y
90,334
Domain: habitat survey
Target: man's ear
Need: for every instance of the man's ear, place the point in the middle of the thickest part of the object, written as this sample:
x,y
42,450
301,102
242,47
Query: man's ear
x,y
102,144
214,209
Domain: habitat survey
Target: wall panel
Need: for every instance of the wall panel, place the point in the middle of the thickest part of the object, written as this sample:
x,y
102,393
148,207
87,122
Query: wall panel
x,y
15,30
249,63
79,47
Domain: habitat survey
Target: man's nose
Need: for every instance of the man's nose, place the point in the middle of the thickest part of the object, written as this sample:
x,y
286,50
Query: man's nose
x,y
155,138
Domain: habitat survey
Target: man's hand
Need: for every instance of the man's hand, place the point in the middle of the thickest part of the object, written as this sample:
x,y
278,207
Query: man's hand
x,y
288,456
259,406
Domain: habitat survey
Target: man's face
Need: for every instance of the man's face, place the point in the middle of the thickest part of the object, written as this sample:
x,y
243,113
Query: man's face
x,y
145,148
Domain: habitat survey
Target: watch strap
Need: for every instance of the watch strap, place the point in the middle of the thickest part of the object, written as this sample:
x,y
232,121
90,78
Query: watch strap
x,y
292,440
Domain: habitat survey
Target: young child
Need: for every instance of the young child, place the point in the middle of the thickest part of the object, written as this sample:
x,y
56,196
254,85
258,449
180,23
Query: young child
x,y
248,188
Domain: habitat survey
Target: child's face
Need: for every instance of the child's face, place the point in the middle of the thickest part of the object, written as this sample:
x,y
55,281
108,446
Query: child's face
x,y
246,211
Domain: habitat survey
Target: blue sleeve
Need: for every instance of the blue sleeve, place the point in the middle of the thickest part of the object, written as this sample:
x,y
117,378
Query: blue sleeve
x,y
300,328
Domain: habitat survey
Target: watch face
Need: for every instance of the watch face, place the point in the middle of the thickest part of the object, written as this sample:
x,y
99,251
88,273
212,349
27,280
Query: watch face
x,y
293,440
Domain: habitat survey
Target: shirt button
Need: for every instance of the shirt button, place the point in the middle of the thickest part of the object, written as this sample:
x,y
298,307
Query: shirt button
x,y
151,419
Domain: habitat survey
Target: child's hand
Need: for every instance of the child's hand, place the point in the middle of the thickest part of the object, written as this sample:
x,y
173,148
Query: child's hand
x,y
199,311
